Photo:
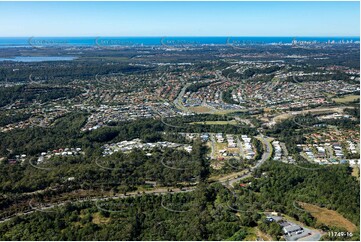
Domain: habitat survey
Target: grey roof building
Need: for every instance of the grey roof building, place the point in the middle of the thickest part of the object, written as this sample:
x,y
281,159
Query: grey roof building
x,y
291,228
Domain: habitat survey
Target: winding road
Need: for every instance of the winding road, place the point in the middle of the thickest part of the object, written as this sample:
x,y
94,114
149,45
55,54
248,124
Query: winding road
x,y
267,147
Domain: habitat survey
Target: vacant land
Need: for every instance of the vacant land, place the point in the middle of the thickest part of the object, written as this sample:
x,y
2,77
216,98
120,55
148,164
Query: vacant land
x,y
200,109
356,172
251,234
328,217
220,146
262,235
223,112
346,99
99,219
233,122
315,111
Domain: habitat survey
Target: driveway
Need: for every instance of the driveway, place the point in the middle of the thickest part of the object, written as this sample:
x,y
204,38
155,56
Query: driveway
x,y
306,235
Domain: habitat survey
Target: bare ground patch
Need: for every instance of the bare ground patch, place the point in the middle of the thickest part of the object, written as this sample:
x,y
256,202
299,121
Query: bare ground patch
x,y
328,217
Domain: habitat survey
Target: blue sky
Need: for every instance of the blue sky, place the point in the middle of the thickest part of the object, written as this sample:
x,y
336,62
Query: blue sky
x,y
179,19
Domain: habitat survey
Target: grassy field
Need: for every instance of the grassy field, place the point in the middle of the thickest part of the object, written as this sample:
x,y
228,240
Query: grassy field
x,y
355,172
314,111
262,235
200,109
219,146
223,112
346,99
251,235
233,122
233,150
328,217
99,219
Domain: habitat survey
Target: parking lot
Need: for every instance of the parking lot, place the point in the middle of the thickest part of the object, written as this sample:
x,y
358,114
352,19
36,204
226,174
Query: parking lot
x,y
305,234
294,236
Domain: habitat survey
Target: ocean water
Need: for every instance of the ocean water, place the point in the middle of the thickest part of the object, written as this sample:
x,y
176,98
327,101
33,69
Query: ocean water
x,y
40,42
38,58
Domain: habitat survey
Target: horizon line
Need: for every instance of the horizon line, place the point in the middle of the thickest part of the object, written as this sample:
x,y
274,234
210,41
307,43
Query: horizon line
x,y
197,36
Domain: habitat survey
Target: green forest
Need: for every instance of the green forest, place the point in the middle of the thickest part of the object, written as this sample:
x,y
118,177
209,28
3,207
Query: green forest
x,y
29,93
211,212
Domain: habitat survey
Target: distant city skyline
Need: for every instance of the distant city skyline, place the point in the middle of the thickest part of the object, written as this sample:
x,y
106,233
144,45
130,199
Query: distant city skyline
x,y
154,19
